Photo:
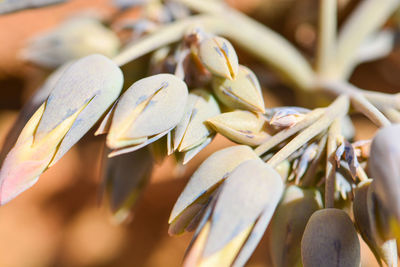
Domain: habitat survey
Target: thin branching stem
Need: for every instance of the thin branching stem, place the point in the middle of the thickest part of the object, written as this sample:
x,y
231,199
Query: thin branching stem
x,y
288,132
378,99
361,174
330,169
310,176
326,36
361,104
164,36
366,19
382,100
392,114
337,109
258,40
366,102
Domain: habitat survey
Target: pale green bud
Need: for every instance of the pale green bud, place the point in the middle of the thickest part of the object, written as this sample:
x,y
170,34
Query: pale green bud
x,y
192,131
148,110
244,92
206,179
241,126
219,57
75,38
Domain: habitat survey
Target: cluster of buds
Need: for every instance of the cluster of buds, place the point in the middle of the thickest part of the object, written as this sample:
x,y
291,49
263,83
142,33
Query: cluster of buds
x,y
289,163
74,38
180,114
231,215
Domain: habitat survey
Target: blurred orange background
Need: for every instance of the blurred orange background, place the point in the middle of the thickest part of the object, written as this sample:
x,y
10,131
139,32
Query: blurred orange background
x,y
60,221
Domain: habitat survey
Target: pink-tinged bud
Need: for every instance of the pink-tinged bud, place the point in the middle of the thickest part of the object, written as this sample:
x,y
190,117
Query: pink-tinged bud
x,y
81,96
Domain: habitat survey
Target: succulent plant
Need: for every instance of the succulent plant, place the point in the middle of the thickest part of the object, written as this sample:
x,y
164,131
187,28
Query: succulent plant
x,y
299,171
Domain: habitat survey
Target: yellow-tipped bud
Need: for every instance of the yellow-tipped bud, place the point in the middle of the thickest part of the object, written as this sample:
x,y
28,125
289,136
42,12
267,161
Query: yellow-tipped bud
x,y
243,127
244,92
219,57
192,131
148,110
80,97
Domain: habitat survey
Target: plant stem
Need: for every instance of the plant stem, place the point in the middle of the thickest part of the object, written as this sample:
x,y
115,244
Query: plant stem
x,y
288,132
260,41
361,174
382,100
377,46
362,105
363,100
310,175
164,36
326,36
337,109
392,114
330,170
367,18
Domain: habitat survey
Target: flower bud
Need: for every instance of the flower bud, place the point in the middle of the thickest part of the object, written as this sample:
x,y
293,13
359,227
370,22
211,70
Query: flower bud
x,y
124,178
191,131
362,217
289,222
29,108
148,110
284,169
244,92
237,217
384,167
210,174
81,96
384,226
219,57
75,38
330,239
286,118
243,127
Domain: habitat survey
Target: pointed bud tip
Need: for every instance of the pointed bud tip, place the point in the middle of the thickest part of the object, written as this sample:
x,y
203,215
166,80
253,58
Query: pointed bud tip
x,y
219,57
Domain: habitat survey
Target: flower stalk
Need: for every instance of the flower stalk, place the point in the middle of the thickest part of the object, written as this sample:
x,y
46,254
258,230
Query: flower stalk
x,y
326,36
